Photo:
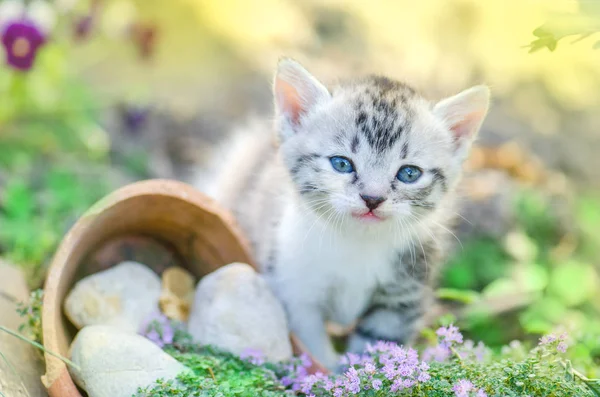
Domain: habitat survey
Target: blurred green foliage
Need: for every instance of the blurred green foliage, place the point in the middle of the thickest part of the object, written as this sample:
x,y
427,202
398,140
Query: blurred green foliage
x,y
534,287
55,158
32,315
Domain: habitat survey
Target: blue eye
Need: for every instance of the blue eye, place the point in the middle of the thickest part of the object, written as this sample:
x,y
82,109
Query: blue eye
x,y
341,164
409,174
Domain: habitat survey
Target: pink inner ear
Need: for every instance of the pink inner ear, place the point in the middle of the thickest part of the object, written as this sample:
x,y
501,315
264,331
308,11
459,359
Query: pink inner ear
x,y
466,126
289,100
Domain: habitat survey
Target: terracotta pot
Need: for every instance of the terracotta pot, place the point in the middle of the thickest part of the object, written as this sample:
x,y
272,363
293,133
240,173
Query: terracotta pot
x,y
159,223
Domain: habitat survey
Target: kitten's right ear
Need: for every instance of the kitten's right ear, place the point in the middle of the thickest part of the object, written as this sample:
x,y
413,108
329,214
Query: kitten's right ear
x,y
463,114
296,92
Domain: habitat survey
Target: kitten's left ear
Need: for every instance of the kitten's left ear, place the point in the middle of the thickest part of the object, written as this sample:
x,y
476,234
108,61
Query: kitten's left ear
x,y
463,114
296,92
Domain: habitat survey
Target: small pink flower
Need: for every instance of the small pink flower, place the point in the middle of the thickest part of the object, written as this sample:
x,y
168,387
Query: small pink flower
x,y
254,356
558,342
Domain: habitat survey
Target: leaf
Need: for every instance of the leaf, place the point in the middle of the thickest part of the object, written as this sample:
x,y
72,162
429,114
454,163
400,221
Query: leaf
x,y
531,278
573,283
501,287
537,326
18,200
458,295
541,32
520,247
546,42
542,315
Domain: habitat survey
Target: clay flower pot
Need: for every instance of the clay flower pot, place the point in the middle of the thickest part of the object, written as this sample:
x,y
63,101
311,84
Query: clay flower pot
x,y
159,223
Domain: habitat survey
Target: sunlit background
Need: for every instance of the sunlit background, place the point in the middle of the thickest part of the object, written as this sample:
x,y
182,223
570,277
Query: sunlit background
x,y
125,90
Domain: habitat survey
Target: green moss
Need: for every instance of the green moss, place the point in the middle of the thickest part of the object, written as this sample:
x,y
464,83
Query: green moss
x,y
216,373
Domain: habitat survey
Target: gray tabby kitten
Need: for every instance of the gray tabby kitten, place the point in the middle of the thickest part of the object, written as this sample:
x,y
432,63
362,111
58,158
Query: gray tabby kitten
x,y
347,211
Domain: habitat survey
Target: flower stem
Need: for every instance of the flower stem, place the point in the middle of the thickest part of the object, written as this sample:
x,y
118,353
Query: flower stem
x,y
458,357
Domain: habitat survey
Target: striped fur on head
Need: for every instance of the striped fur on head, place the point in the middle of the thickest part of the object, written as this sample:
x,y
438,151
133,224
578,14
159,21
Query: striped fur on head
x,y
380,125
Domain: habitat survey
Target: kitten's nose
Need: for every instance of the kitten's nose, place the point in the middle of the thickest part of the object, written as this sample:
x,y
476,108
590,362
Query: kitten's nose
x,y
372,202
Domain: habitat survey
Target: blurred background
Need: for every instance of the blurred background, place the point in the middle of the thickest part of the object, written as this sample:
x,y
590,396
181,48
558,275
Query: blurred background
x,y
95,94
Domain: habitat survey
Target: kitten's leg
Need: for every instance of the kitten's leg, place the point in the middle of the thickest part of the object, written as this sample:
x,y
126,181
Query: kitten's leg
x,y
391,317
308,323
397,308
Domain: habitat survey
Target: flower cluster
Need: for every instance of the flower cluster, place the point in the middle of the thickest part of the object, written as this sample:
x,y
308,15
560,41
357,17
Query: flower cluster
x,y
385,367
297,372
448,337
464,388
253,356
557,342
161,330
450,343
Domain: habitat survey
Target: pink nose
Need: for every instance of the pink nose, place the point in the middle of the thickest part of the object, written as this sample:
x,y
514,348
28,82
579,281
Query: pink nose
x,y
372,202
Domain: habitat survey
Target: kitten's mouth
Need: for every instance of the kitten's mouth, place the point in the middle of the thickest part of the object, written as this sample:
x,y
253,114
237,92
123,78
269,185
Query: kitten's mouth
x,y
368,217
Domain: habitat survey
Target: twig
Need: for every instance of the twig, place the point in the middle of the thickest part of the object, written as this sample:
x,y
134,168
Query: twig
x,y
212,374
42,348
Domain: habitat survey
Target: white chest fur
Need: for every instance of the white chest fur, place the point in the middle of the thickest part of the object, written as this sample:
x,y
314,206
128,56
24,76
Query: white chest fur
x,y
331,269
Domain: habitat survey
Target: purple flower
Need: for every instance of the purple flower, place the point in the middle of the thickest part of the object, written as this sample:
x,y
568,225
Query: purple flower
x,y
384,366
83,26
154,336
351,359
438,353
134,117
352,383
306,361
21,40
462,388
554,341
547,339
308,383
480,351
85,23
369,368
327,384
562,347
159,329
298,373
449,335
253,356
423,377
377,384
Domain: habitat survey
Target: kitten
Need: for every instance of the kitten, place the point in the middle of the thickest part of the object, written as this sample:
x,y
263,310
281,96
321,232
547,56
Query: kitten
x,y
347,210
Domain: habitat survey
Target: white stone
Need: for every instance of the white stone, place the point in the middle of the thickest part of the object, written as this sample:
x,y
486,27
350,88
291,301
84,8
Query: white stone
x,y
115,363
122,296
235,309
